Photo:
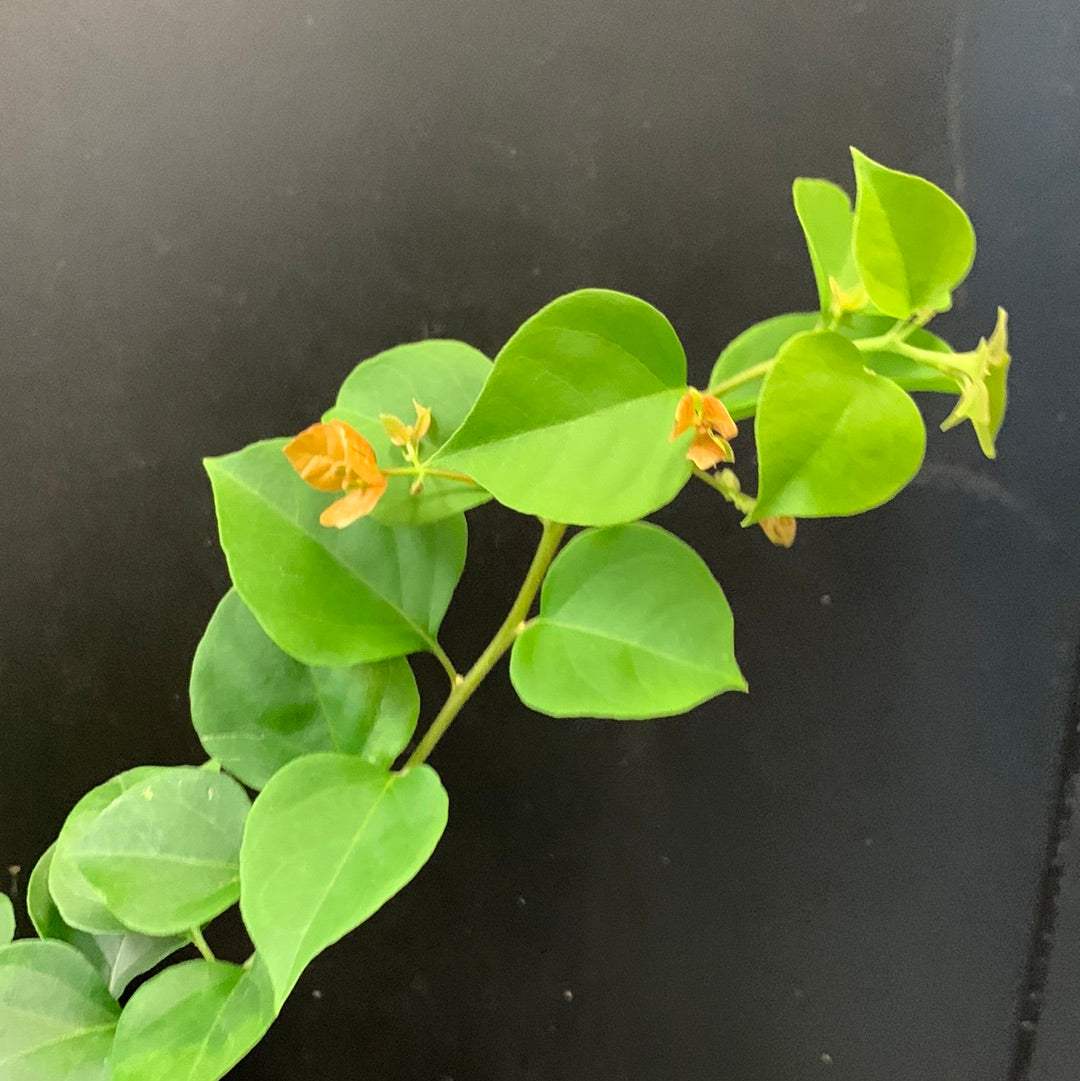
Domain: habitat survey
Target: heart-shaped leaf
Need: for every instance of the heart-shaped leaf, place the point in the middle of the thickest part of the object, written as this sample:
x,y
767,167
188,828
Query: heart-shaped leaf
x,y
632,624
573,423
118,958
331,839
7,920
833,438
912,244
256,709
80,904
192,1022
164,856
443,376
56,1017
329,596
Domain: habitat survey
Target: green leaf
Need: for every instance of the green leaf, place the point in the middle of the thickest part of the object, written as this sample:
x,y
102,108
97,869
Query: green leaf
x,y
825,214
632,624
118,958
80,904
256,709
445,376
913,245
573,423
192,1022
329,596
7,919
763,340
329,841
833,438
56,1017
164,856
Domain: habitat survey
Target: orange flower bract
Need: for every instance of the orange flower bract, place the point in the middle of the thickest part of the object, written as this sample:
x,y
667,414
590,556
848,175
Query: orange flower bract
x,y
708,418
335,457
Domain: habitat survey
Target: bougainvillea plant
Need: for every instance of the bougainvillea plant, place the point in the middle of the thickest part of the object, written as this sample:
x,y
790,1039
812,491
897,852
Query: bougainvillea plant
x,y
345,544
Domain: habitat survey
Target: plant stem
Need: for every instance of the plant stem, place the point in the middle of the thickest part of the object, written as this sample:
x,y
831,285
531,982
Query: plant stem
x,y
893,339
201,944
504,637
448,665
422,470
739,378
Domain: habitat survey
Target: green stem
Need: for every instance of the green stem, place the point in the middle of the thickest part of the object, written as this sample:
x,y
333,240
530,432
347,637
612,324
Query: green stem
x,y
892,339
448,665
425,471
739,378
200,943
466,685
740,500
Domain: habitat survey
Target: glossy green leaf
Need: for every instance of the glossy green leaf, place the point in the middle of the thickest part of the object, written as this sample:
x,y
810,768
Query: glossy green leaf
x,y
445,376
164,856
573,423
7,919
632,624
329,596
80,904
329,841
763,340
256,709
192,1022
56,1017
913,245
826,217
833,438
118,958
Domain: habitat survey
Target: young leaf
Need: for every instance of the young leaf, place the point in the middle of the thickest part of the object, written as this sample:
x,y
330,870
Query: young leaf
x,y
572,425
56,1017
632,624
80,904
913,245
256,709
7,920
443,376
833,438
118,958
164,856
825,214
328,596
331,839
192,1022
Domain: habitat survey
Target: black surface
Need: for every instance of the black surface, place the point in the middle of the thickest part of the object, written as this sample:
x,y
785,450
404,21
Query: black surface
x,y
211,209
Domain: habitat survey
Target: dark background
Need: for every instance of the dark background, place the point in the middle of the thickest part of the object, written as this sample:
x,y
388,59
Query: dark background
x,y
210,210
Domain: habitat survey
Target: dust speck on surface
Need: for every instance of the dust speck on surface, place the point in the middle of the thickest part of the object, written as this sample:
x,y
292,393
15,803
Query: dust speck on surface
x,y
826,1059
568,995
316,994
520,901
826,599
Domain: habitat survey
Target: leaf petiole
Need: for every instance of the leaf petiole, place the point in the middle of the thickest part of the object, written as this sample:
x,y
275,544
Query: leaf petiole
x,y
465,686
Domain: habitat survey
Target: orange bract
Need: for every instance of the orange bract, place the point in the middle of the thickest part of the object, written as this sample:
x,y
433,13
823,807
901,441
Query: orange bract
x,y
712,425
780,530
335,457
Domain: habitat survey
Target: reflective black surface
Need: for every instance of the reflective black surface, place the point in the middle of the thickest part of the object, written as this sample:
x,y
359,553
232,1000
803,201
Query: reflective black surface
x,y
210,210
